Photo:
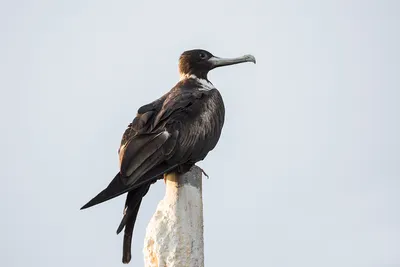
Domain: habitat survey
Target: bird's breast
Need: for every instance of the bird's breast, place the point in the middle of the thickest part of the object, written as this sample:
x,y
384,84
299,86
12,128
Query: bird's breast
x,y
211,115
207,122
200,131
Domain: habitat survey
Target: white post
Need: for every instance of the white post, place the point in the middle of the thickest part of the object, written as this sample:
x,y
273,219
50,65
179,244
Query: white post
x,y
174,236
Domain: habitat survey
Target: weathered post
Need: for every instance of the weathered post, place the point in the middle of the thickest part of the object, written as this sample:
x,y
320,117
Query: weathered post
x,y
174,236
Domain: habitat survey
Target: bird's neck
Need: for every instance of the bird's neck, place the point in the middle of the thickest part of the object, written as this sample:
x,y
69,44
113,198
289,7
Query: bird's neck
x,y
185,76
193,73
204,82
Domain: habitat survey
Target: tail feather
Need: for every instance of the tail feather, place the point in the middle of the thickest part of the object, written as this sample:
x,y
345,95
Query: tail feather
x,y
129,226
127,243
133,199
117,187
114,189
132,205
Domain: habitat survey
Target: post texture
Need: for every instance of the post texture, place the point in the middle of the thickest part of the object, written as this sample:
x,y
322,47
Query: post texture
x,y
174,235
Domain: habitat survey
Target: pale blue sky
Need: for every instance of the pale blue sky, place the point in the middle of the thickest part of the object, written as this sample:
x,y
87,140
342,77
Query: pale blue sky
x,y
306,172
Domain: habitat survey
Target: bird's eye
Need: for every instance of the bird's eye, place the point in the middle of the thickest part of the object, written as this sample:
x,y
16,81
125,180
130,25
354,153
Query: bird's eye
x,y
202,55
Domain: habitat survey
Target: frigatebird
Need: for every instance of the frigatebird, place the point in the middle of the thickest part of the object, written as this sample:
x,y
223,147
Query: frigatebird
x,y
167,135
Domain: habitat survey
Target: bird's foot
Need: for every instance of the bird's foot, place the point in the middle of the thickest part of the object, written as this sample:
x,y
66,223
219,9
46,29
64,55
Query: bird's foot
x,y
205,174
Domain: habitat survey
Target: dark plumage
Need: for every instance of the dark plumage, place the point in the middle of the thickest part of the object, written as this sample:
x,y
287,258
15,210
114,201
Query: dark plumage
x,y
170,134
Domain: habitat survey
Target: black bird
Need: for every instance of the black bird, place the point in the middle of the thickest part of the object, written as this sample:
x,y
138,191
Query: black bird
x,y
170,134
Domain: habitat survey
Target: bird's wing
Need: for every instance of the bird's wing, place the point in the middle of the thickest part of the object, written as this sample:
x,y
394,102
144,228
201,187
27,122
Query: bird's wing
x,y
140,150
145,150
146,145
141,140
199,116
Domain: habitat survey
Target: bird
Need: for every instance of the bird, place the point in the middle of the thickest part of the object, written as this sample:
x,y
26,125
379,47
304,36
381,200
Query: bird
x,y
170,134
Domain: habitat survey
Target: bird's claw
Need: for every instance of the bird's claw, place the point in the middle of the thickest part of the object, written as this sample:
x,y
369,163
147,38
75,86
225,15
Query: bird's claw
x,y
205,174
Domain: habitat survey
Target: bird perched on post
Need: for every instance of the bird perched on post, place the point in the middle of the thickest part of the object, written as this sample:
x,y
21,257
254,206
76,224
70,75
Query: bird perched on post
x,y
170,134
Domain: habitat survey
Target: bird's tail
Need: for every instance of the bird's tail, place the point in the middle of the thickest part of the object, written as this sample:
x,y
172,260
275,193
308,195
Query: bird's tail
x,y
118,187
132,205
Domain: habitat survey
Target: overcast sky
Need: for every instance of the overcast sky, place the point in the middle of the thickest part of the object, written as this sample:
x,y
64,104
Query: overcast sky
x,y
306,172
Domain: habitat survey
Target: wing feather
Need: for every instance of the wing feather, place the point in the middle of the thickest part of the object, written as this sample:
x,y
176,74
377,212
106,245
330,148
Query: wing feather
x,y
138,149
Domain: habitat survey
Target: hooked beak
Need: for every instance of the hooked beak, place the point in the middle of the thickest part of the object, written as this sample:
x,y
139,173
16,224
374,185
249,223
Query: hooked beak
x,y
219,62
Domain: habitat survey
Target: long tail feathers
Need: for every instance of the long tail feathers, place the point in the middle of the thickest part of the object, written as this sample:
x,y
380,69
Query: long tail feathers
x,y
114,189
133,201
127,243
138,187
117,187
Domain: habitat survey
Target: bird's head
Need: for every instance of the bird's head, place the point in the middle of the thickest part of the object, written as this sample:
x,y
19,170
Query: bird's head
x,y
199,62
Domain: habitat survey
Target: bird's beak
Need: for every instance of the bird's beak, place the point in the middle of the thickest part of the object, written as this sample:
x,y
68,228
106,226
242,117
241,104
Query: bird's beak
x,y
219,62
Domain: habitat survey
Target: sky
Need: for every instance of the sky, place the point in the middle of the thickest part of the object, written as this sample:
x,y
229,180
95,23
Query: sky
x,y
307,169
